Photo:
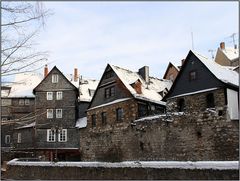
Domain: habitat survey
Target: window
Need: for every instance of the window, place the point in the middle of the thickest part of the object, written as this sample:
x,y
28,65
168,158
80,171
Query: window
x,y
55,78
210,100
49,95
142,110
19,138
59,95
58,113
4,119
94,120
109,92
171,77
27,102
49,113
119,113
51,135
21,102
62,135
104,118
6,102
181,105
192,75
7,139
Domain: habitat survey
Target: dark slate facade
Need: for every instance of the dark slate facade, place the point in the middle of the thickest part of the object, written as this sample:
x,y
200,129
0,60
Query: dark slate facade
x,y
68,104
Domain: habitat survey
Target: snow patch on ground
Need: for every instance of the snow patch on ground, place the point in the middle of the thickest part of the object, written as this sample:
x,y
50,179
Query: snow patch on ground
x,y
217,165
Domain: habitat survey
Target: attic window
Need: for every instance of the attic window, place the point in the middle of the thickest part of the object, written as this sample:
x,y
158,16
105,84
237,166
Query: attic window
x,y
55,78
109,92
192,75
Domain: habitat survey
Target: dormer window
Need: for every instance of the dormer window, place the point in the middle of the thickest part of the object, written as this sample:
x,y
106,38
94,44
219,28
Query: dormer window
x,y
55,78
192,75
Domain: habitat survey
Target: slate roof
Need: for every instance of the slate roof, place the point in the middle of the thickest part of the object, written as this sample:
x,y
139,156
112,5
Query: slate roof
x,y
150,91
24,84
223,73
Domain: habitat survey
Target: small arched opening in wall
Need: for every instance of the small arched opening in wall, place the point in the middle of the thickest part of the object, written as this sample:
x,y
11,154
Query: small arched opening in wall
x,y
180,105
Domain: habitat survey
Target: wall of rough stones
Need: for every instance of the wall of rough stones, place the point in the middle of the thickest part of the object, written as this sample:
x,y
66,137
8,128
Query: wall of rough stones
x,y
191,135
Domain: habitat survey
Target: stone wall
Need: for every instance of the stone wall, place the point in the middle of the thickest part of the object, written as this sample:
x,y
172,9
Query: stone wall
x,y
199,133
122,173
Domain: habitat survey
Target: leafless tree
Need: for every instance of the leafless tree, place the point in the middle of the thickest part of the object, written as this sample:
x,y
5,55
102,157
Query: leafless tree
x,y
21,23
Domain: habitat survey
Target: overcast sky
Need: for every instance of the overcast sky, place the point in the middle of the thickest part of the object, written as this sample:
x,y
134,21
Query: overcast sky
x,y
88,35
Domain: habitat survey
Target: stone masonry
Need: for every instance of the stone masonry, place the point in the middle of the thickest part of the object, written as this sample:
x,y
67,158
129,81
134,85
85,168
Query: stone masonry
x,y
198,133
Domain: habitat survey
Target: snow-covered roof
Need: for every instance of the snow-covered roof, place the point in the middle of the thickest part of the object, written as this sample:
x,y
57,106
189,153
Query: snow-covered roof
x,y
28,125
150,91
231,53
24,84
85,86
221,72
81,123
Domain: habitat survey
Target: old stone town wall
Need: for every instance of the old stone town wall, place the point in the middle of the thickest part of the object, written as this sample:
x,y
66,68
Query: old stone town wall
x,y
206,134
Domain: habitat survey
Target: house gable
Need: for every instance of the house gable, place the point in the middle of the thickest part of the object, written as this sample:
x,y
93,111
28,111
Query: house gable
x,y
205,79
63,83
171,72
109,80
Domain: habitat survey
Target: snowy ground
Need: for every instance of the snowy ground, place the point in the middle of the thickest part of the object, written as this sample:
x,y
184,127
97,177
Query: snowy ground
x,y
219,165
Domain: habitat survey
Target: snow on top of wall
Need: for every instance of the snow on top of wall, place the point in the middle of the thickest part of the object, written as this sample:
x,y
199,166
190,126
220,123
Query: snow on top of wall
x,y
231,53
24,84
28,125
216,165
110,103
86,87
221,72
150,91
196,92
81,123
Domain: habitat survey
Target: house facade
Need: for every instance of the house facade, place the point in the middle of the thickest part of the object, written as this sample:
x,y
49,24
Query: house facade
x,y
171,72
123,96
56,115
205,85
17,105
227,56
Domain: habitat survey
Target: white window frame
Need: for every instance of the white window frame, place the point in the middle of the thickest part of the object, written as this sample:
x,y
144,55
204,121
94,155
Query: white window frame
x,y
19,138
27,102
54,78
21,102
59,113
7,139
62,135
49,113
49,95
51,135
59,95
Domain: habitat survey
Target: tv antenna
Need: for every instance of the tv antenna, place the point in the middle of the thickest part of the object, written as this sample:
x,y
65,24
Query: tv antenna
x,y
192,40
233,37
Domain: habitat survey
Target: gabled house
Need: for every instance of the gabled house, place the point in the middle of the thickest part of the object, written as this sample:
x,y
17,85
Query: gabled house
x,y
202,84
171,72
123,96
227,56
55,135
17,104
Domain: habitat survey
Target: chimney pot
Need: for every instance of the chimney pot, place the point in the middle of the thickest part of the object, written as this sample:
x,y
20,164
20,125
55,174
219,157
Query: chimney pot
x,y
75,75
45,70
222,45
144,72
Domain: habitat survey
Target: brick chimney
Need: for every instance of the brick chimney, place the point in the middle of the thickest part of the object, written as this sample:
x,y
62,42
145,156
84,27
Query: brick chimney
x,y
144,72
75,75
45,70
138,86
222,45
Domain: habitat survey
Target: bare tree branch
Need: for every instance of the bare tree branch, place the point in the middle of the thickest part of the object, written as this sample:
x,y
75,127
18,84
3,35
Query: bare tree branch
x,y
21,22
